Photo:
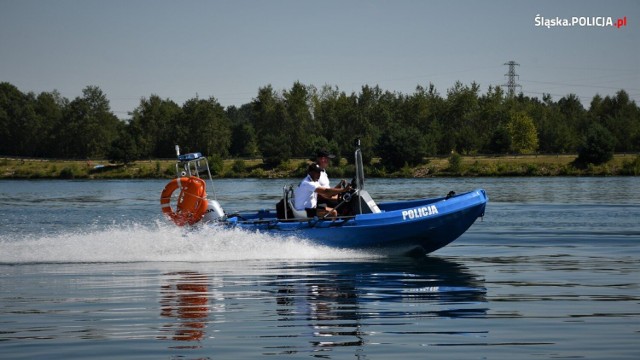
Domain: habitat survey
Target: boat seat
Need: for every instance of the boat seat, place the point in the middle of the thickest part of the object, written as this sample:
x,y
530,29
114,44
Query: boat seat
x,y
298,214
289,196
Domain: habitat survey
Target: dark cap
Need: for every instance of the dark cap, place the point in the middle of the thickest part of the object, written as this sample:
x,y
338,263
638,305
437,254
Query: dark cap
x,y
313,167
325,153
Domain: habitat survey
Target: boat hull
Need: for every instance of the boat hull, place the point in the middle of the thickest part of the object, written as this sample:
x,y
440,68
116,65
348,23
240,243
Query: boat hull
x,y
423,225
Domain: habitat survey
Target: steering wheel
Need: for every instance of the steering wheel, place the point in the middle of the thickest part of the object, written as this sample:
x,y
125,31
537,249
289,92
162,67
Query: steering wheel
x,y
346,196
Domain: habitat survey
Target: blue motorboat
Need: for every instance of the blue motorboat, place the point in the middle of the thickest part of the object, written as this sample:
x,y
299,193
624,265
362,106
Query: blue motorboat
x,y
413,226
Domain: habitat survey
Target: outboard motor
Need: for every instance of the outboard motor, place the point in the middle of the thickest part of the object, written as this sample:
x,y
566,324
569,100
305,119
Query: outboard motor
x,y
214,212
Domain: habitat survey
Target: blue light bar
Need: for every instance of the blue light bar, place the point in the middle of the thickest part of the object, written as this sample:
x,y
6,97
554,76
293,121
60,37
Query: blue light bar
x,y
190,156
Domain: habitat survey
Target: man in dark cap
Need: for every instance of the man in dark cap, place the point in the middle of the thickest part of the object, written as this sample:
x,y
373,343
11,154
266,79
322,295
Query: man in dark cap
x,y
323,159
306,194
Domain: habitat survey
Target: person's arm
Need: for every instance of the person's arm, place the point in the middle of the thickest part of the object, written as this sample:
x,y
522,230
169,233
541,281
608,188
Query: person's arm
x,y
342,184
328,192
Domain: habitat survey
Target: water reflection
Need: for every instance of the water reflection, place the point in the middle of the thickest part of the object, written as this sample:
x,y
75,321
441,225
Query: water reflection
x,y
185,299
319,307
340,304
328,304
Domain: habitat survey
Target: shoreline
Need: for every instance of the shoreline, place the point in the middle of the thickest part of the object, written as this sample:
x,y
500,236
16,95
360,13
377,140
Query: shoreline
x,y
468,166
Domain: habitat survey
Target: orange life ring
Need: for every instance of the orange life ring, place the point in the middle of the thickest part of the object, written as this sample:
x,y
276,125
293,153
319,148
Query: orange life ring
x,y
192,200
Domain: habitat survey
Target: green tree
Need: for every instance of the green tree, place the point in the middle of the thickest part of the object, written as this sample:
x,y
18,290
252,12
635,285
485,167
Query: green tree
x,y
455,162
124,148
621,117
598,146
491,119
19,125
573,111
359,121
524,138
275,149
462,124
297,123
89,127
555,133
243,140
154,127
325,113
400,146
568,120
268,114
49,109
424,109
500,142
208,129
298,120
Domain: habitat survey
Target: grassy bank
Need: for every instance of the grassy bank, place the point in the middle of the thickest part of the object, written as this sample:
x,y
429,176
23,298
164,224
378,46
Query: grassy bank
x,y
531,165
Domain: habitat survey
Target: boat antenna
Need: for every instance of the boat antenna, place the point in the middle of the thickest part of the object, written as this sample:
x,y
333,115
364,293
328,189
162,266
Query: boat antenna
x,y
359,166
359,179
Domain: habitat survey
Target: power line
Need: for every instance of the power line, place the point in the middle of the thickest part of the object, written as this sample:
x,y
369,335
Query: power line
x,y
581,85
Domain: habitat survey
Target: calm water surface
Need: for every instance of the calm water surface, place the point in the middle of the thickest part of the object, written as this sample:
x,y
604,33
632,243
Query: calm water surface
x,y
91,269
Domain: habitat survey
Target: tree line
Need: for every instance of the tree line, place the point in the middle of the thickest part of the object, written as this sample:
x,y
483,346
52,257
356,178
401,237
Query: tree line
x,y
400,129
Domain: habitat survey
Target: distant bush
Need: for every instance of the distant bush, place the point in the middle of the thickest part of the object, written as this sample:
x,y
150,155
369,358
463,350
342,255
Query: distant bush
x,y
290,165
239,167
531,170
402,146
597,147
377,171
258,173
216,165
66,173
455,163
406,171
632,167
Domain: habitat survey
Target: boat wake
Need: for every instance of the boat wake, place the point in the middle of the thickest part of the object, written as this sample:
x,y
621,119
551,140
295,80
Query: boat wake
x,y
163,243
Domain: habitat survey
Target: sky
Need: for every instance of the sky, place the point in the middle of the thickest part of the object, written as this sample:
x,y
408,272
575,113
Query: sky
x,y
132,49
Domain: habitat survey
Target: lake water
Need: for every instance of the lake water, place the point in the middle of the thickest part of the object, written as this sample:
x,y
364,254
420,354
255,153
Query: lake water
x,y
92,269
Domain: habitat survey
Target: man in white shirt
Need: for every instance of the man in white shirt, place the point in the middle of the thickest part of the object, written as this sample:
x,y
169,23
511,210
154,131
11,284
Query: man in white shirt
x,y
322,159
306,194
